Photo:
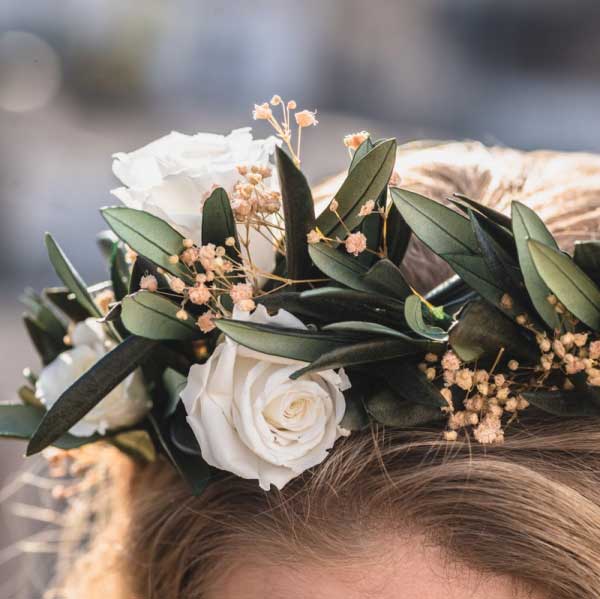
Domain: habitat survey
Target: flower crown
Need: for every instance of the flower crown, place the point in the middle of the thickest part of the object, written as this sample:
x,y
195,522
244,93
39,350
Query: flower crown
x,y
240,332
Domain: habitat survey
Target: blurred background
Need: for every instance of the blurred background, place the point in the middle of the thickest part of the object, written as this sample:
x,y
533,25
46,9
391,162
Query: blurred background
x,y
82,79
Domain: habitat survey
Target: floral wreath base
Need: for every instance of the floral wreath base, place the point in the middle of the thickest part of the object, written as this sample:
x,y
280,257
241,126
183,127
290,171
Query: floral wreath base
x,y
239,332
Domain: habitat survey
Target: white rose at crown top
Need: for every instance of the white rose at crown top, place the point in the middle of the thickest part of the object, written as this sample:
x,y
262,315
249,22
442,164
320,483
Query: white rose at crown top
x,y
173,175
123,406
252,420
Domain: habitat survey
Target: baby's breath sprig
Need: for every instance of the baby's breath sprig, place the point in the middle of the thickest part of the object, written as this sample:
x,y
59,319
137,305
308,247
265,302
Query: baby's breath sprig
x,y
283,128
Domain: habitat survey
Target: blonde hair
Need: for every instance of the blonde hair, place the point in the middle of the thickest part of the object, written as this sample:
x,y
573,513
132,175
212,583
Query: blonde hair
x,y
529,508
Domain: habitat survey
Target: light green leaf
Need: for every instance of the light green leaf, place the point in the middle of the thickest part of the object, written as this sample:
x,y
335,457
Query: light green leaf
x,y
568,282
149,236
365,182
526,224
153,316
413,313
70,277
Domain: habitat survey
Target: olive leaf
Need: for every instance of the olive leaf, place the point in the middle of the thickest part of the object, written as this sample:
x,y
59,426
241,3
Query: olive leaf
x,y
587,257
70,277
218,223
366,181
193,469
66,302
413,313
568,282
47,346
137,444
482,331
149,236
397,235
383,277
390,409
89,390
332,304
364,352
526,224
42,315
119,272
153,316
296,344
566,404
299,216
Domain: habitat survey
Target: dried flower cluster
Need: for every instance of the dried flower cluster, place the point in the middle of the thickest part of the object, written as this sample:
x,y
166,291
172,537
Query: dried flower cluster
x,y
303,118
486,397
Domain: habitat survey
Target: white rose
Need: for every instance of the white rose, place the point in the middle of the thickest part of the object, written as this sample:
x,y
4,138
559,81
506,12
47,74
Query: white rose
x,y
251,419
123,406
173,175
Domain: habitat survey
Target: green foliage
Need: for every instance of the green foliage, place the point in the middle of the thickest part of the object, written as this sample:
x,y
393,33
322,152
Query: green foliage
x,y
526,225
568,282
413,313
587,257
390,409
153,316
90,390
70,277
299,216
47,346
482,331
296,344
218,223
366,180
150,237
565,404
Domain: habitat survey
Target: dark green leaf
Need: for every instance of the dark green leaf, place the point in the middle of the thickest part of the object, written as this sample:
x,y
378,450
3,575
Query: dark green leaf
x,y
174,383
47,346
360,152
413,313
368,329
296,344
496,217
193,469
390,409
119,273
153,316
149,236
89,390
385,277
66,302
364,352
397,236
409,383
365,182
141,268
70,277
340,267
526,224
443,230
587,257
333,304
482,331
568,282
182,434
566,404
356,417
218,222
41,314
299,213
106,242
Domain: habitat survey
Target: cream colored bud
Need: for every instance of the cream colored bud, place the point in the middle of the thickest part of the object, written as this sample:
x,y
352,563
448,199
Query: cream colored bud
x,y
230,241
182,315
513,365
450,435
188,243
173,259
